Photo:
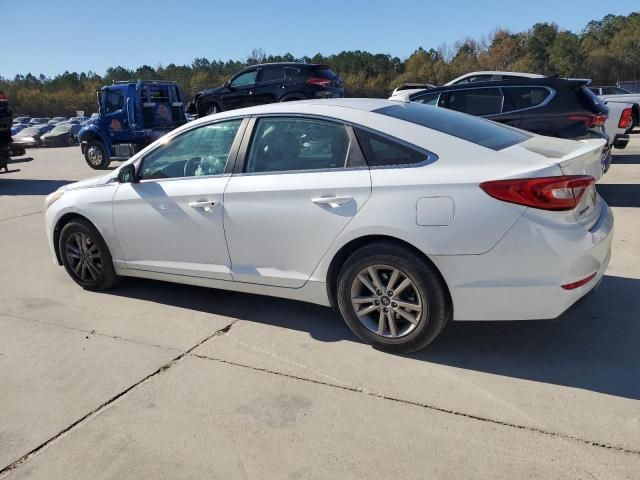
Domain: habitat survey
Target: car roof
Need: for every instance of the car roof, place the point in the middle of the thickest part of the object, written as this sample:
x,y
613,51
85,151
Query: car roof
x,y
496,72
519,82
286,64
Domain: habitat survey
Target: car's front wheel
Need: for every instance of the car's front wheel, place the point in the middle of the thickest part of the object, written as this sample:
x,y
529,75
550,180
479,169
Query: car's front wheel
x,y
392,298
86,257
96,155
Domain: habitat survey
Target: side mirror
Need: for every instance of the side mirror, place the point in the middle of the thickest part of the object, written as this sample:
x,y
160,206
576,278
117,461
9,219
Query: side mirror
x,y
127,174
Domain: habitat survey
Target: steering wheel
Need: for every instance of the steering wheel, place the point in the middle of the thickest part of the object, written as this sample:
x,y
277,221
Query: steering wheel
x,y
191,166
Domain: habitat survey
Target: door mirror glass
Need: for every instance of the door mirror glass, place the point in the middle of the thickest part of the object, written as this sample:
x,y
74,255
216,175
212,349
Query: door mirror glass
x,y
127,174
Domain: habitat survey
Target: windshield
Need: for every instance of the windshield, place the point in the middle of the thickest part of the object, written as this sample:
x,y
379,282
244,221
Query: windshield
x,y
472,129
29,131
61,129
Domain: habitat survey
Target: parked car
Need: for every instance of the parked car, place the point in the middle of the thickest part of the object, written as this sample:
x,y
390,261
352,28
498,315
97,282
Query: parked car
x,y
18,120
609,90
412,86
18,127
5,119
268,83
39,121
351,203
57,120
546,106
619,120
61,136
491,75
620,95
31,136
132,115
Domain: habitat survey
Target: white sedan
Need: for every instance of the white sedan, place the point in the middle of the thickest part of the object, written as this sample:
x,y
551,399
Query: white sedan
x,y
401,216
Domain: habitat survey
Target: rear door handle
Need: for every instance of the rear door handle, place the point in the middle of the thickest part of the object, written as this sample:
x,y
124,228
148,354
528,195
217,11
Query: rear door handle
x,y
333,202
206,204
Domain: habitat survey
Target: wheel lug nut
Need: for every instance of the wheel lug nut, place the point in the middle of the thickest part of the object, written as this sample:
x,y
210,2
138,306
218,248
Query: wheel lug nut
x,y
377,302
379,292
386,309
394,304
390,293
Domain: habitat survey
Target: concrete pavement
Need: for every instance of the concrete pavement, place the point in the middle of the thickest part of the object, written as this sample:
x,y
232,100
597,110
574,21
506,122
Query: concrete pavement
x,y
169,381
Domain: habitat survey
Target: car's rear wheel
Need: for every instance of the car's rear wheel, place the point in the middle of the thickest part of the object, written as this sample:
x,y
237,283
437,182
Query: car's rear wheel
x,y
86,257
392,298
96,155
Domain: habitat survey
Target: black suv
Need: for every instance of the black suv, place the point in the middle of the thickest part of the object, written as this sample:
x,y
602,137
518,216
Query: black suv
x,y
555,107
268,83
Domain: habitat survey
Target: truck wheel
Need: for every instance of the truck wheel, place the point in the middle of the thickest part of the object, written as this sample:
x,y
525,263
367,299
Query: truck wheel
x,y
96,155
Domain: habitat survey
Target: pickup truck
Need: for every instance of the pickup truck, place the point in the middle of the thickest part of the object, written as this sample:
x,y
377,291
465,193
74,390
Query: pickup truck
x,y
619,121
131,116
612,95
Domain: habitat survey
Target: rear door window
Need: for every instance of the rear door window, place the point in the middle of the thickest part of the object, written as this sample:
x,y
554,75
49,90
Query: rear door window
x,y
476,101
288,144
271,74
475,78
520,98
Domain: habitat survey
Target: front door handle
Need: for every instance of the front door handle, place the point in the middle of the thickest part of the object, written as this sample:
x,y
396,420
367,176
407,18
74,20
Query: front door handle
x,y
333,202
206,204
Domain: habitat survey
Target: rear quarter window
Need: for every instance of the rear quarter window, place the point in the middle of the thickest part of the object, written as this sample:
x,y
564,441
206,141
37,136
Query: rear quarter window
x,y
520,98
466,127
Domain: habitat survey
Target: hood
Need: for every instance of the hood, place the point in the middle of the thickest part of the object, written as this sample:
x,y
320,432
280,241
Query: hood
x,y
89,182
623,97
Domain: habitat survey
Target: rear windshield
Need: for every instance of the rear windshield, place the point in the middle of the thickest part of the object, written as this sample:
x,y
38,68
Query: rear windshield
x,y
324,72
472,129
591,101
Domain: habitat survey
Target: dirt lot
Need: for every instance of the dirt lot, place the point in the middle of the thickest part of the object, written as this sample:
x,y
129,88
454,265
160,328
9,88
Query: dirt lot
x,y
156,380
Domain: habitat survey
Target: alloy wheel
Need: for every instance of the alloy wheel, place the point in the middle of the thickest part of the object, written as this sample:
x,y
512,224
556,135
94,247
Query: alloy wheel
x,y
94,154
386,301
83,257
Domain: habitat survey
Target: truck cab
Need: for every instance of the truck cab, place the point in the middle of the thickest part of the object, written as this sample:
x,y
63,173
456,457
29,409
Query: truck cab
x,y
131,116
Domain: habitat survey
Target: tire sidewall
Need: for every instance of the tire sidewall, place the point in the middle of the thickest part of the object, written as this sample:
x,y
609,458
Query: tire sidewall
x,y
425,281
106,271
105,157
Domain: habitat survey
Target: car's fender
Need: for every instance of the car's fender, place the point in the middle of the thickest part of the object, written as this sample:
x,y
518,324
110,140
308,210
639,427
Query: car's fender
x,y
92,132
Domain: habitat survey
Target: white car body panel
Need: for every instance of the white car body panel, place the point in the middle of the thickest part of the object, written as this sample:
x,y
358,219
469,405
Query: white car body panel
x,y
613,118
499,260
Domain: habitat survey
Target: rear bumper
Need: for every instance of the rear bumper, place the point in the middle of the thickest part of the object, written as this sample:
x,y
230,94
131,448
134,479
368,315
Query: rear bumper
x,y
620,141
521,278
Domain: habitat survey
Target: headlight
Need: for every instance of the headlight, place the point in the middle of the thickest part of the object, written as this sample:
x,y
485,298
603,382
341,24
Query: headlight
x,y
51,198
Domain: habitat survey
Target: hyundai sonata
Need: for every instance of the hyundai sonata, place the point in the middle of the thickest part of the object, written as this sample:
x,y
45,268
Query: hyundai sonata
x,y
400,216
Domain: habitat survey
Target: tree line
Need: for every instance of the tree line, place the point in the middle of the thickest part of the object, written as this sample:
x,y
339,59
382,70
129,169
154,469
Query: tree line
x,y
606,51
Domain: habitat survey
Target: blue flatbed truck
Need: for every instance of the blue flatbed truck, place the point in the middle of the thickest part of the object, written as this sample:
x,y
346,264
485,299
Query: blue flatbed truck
x,y
131,116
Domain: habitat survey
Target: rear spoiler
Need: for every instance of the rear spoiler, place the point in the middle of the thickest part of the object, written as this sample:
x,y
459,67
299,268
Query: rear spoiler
x,y
577,82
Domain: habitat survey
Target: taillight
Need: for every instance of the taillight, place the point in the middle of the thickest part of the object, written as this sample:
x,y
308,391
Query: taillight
x,y
2,96
319,81
626,118
546,193
590,121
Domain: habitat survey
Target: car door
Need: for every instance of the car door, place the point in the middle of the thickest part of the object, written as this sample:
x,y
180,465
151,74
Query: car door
x,y
270,84
171,219
114,119
524,107
299,184
240,90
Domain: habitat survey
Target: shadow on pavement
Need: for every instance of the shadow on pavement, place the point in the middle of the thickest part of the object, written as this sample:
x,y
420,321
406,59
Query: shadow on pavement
x,y
20,160
594,346
26,186
626,159
620,194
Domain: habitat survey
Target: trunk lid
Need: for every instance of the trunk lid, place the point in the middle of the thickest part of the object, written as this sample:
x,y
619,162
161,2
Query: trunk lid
x,y
581,157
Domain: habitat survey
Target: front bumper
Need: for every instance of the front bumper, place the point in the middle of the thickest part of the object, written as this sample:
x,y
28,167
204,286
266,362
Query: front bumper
x,y
521,277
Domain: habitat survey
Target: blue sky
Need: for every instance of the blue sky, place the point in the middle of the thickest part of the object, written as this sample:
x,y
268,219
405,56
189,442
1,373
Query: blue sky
x,y
50,37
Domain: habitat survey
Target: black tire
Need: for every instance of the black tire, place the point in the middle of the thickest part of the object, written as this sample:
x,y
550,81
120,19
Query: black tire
x,y
426,282
213,108
96,156
84,276
71,141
